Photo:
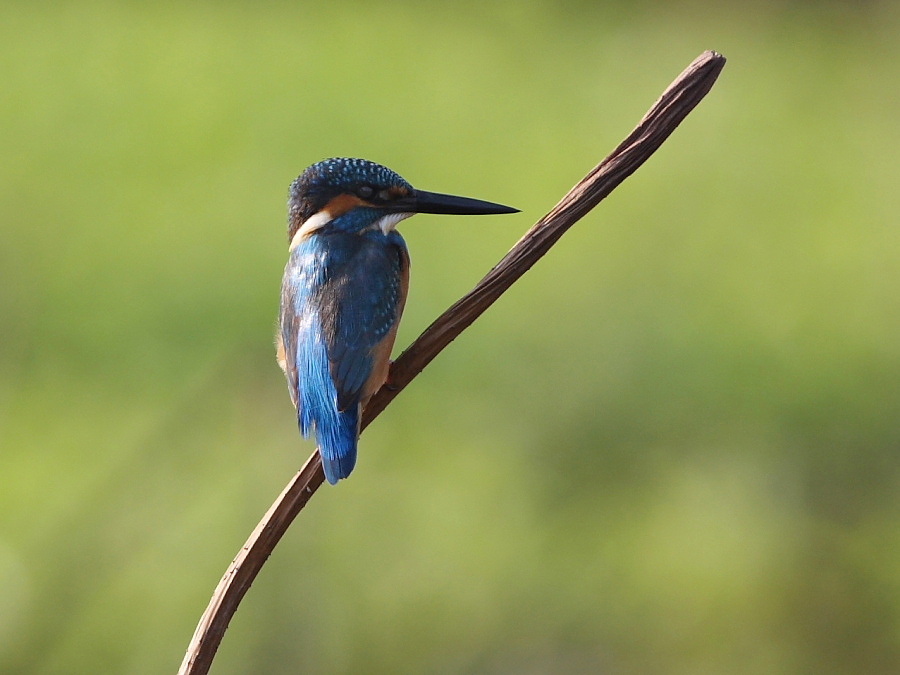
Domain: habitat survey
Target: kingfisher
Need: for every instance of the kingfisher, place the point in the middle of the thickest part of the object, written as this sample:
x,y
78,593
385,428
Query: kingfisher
x,y
344,289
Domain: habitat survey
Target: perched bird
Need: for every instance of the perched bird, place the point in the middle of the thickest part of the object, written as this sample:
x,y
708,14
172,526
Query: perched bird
x,y
343,292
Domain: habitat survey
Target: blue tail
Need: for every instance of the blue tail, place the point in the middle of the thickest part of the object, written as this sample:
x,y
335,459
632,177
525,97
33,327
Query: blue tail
x,y
336,434
317,408
337,444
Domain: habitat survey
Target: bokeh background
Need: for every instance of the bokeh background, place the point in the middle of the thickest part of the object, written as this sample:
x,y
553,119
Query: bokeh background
x,y
671,448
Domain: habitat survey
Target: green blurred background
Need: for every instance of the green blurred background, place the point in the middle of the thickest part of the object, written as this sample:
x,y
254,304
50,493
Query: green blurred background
x,y
671,448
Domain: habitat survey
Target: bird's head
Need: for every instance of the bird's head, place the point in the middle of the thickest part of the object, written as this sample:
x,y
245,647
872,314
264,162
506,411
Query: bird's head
x,y
358,195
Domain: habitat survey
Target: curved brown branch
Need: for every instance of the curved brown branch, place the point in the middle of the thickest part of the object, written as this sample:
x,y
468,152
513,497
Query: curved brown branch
x,y
673,106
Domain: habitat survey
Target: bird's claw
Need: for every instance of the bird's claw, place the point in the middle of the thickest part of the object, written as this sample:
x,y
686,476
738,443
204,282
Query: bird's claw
x,y
388,381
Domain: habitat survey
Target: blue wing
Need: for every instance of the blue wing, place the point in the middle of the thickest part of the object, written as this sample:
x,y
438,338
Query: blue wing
x,y
341,300
361,305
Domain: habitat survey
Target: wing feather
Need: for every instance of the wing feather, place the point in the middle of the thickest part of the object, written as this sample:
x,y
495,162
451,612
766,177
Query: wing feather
x,y
363,299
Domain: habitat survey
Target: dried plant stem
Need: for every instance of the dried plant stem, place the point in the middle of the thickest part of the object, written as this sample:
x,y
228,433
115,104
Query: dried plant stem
x,y
667,113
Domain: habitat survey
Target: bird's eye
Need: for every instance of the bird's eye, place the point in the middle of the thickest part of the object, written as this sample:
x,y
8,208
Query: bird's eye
x,y
384,196
366,192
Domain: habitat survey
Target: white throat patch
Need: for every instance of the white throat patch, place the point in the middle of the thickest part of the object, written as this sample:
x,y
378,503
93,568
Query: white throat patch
x,y
389,222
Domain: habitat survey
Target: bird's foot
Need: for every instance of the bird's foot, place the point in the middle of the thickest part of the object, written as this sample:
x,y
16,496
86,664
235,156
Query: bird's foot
x,y
388,381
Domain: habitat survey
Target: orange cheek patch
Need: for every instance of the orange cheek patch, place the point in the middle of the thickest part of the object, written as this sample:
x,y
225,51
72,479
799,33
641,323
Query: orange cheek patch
x,y
343,203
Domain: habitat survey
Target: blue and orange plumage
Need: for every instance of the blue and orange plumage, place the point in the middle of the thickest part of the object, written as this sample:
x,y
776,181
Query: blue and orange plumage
x,y
344,289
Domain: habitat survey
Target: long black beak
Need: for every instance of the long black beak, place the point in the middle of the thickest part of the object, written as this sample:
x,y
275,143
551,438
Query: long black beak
x,y
435,202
